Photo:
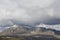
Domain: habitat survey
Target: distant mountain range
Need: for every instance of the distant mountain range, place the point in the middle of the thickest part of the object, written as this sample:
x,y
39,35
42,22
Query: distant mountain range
x,y
15,29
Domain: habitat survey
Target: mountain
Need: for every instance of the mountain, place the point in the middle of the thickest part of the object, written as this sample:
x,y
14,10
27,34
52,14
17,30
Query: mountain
x,y
15,29
26,30
56,32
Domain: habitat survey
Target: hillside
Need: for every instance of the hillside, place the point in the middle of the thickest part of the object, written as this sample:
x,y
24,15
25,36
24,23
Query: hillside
x,y
15,30
19,31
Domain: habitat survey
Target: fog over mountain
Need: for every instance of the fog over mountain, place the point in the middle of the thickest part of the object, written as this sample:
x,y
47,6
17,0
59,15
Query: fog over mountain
x,y
29,12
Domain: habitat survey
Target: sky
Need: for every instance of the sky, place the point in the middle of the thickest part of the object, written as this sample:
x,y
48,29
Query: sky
x,y
29,12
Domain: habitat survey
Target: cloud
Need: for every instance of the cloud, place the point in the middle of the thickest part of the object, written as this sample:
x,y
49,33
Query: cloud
x,y
29,12
34,3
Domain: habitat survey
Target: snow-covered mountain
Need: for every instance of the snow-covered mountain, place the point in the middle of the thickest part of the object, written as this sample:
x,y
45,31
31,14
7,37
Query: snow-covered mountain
x,y
16,29
56,27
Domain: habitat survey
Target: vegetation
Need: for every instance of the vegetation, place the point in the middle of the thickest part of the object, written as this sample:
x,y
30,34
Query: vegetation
x,y
7,38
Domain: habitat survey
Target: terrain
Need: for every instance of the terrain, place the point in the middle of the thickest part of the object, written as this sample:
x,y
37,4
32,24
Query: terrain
x,y
26,33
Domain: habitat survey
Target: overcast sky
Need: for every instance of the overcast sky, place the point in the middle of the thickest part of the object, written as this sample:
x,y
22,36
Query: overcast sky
x,y
29,12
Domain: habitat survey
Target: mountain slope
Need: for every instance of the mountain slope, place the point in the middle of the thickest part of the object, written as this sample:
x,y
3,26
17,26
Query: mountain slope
x,y
15,30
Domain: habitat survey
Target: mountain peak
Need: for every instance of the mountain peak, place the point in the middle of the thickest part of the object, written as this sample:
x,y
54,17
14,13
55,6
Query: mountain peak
x,y
41,25
14,26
